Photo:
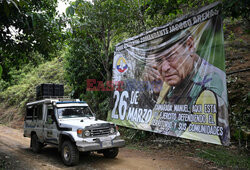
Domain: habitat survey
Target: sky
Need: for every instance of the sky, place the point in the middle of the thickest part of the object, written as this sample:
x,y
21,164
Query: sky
x,y
62,6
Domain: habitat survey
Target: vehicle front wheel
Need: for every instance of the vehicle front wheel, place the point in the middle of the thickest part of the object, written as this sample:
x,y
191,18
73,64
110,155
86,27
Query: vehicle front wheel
x,y
35,144
111,153
69,153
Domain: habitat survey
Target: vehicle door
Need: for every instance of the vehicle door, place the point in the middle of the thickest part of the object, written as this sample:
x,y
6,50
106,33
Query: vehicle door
x,y
50,128
29,123
38,120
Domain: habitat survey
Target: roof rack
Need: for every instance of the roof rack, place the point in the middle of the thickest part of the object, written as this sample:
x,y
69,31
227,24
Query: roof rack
x,y
62,98
55,99
68,99
67,102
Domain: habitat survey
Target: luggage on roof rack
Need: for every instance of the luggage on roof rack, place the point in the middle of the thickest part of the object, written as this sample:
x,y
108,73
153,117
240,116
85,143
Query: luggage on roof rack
x,y
47,90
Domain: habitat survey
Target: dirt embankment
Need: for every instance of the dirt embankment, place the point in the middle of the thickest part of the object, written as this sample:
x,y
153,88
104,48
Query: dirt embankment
x,y
237,48
15,153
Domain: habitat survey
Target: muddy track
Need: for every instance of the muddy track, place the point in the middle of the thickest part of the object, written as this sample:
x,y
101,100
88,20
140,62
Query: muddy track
x,y
14,149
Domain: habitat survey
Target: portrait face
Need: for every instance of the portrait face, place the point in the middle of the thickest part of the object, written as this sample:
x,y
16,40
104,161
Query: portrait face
x,y
152,75
176,63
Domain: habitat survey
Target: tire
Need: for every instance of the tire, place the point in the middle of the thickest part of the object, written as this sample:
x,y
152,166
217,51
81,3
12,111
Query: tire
x,y
69,153
35,144
111,153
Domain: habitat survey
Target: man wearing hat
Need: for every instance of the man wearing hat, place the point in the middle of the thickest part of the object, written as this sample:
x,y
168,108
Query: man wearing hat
x,y
189,80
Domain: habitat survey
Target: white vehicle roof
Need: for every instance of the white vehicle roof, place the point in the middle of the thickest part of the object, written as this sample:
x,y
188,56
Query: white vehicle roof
x,y
71,104
61,102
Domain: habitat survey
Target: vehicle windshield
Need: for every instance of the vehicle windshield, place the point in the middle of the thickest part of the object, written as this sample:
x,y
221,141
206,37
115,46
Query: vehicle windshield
x,y
74,112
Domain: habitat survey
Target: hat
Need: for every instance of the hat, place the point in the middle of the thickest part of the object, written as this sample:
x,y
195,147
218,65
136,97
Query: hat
x,y
159,45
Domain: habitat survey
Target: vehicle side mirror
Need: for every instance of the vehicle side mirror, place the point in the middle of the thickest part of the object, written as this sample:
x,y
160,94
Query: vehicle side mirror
x,y
95,116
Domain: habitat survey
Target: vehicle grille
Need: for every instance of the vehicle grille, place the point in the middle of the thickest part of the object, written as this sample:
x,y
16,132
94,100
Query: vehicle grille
x,y
100,131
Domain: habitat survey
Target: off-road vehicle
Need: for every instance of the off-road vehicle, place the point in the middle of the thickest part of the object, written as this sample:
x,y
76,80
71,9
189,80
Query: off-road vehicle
x,y
71,126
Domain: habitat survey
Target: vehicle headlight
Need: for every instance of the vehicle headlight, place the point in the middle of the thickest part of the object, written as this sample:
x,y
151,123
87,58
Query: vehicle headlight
x,y
112,130
86,133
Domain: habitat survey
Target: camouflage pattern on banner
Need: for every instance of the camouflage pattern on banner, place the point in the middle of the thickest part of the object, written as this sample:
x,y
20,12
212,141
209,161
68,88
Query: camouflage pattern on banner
x,y
172,79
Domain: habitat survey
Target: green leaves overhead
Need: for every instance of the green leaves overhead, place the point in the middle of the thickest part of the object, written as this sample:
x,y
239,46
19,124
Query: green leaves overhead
x,y
102,22
1,70
235,9
70,11
27,26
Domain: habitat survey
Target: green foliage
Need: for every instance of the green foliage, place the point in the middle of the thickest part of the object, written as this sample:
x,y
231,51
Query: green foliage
x,y
231,36
3,85
134,135
70,11
27,26
225,158
1,70
18,74
163,11
102,23
98,101
24,91
95,29
82,63
240,117
236,9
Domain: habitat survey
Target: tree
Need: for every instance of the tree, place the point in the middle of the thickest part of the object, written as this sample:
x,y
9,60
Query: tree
x,y
169,9
95,29
235,9
107,22
27,26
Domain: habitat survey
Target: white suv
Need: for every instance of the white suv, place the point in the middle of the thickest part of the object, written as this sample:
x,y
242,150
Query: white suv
x,y
72,127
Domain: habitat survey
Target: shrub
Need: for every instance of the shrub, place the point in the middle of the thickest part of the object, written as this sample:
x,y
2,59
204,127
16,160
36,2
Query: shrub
x,y
24,91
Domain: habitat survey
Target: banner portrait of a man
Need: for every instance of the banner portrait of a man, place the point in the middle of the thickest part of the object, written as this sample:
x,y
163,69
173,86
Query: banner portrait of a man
x,y
175,81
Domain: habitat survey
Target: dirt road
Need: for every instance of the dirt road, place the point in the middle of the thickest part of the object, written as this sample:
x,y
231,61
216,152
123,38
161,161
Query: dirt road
x,y
15,153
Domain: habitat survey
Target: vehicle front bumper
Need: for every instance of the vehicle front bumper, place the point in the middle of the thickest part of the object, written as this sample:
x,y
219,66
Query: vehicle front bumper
x,y
99,145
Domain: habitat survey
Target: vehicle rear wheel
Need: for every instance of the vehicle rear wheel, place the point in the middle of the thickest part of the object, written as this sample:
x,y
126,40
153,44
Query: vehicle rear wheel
x,y
111,153
35,144
69,153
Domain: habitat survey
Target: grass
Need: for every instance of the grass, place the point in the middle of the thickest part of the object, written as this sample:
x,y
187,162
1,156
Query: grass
x,y
134,146
225,158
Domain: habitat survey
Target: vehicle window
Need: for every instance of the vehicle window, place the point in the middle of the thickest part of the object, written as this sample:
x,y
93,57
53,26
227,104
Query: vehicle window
x,y
50,112
29,112
70,112
39,112
35,112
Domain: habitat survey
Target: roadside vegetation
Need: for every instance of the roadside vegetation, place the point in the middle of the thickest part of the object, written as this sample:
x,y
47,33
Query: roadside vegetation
x,y
26,79
224,157
37,47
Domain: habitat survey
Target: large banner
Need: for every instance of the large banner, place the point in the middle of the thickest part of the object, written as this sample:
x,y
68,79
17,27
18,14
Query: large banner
x,y
171,80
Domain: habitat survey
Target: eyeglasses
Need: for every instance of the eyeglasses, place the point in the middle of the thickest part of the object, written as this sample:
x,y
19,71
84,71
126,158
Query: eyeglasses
x,y
169,57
